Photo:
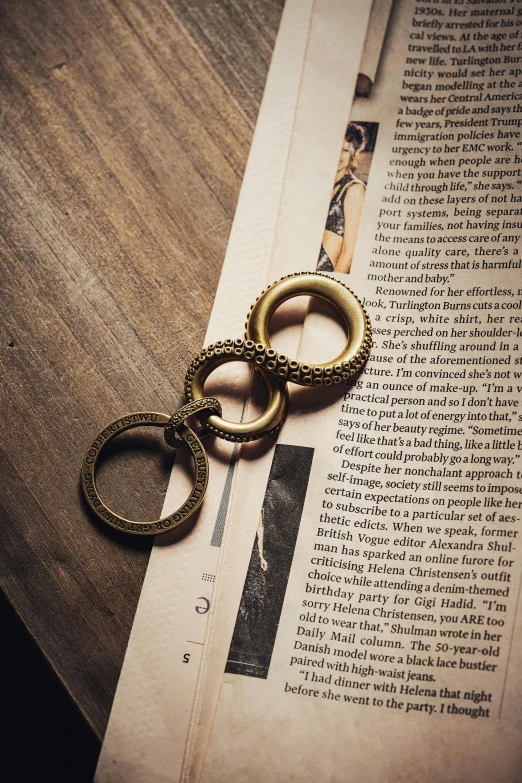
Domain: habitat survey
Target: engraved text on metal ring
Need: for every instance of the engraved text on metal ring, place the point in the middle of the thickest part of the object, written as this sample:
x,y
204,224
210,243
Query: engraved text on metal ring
x,y
158,526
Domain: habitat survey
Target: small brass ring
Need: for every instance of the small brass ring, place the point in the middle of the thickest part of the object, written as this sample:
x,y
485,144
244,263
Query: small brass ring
x,y
356,320
195,408
239,432
158,526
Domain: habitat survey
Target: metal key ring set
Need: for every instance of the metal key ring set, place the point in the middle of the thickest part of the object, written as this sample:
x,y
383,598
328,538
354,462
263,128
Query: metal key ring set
x,y
275,369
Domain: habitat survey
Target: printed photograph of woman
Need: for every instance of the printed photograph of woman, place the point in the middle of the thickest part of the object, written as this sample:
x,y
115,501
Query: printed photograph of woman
x,y
346,204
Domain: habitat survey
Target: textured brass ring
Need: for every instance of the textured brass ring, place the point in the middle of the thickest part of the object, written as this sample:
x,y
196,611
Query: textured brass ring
x,y
159,526
208,404
357,323
231,351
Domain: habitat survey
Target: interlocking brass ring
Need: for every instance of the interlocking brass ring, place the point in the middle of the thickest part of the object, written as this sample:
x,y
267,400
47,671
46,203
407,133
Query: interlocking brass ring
x,y
356,320
158,526
207,404
239,432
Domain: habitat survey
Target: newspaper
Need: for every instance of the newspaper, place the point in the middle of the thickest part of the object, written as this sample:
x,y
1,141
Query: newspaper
x,y
364,621
366,617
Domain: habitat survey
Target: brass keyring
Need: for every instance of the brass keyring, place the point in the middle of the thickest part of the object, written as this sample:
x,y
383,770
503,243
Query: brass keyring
x,y
239,432
357,323
158,526
275,369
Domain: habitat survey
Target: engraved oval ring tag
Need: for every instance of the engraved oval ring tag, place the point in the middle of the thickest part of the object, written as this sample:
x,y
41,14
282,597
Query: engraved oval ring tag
x,y
158,526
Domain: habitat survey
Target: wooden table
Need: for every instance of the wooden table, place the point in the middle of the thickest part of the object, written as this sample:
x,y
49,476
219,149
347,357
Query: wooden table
x,y
125,127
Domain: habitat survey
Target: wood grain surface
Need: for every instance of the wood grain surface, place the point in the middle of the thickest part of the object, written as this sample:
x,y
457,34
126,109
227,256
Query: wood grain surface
x,y
125,127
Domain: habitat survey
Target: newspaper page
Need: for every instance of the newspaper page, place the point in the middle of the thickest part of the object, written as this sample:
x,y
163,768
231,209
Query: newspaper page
x,y
366,624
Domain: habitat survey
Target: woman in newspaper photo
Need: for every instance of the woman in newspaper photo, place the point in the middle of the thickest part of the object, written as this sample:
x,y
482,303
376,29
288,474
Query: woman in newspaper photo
x,y
346,205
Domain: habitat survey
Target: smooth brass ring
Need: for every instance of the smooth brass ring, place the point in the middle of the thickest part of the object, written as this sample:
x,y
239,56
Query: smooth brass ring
x,y
356,320
239,432
158,526
197,408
